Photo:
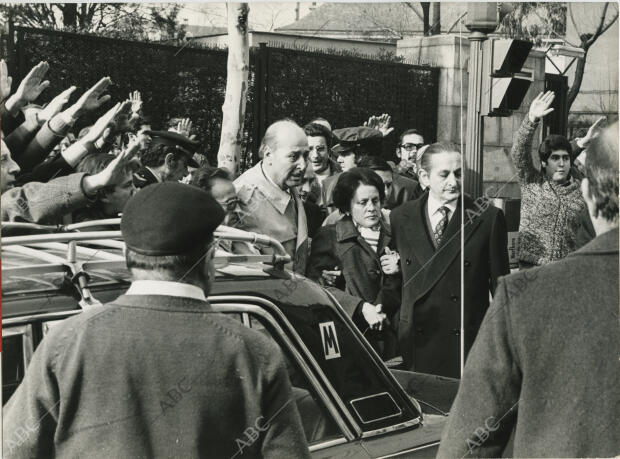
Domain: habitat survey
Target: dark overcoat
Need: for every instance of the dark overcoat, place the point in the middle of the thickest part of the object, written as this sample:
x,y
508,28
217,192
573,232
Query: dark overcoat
x,y
153,376
362,278
430,314
545,363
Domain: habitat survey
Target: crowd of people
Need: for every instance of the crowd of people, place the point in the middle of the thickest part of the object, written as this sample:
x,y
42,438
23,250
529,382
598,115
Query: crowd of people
x,y
389,240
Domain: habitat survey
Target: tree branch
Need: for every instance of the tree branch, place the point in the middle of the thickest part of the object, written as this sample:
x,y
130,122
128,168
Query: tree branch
x,y
597,32
410,5
451,28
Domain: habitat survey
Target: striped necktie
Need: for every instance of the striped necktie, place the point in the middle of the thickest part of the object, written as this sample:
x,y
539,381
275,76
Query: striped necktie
x,y
440,229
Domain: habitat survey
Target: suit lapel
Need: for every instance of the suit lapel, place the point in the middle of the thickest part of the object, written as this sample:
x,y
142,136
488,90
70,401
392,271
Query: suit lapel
x,y
417,233
450,247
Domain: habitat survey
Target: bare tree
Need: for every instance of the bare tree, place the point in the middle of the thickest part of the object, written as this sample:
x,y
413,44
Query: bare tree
x,y
587,39
131,20
233,110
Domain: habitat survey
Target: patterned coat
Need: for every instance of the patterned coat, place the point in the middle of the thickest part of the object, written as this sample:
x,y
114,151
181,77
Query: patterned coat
x,y
549,213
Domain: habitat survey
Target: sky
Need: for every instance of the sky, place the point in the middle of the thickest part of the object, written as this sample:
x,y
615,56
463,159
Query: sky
x,y
263,15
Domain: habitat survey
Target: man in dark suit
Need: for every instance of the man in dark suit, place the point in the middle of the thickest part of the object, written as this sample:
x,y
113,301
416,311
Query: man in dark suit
x,y
427,234
545,363
156,372
165,159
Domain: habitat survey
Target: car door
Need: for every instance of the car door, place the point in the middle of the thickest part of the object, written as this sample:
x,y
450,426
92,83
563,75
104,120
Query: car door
x,y
372,417
327,432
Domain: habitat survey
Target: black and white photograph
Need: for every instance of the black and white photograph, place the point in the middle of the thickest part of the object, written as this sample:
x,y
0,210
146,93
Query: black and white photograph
x,y
310,230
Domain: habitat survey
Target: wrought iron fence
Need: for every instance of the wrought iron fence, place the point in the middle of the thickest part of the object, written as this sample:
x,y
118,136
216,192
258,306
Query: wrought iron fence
x,y
190,82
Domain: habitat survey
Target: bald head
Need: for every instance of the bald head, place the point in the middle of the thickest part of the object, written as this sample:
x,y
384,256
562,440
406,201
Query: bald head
x,y
284,150
276,133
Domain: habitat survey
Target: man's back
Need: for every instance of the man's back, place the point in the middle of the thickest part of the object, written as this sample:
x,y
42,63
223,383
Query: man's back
x,y
547,353
154,376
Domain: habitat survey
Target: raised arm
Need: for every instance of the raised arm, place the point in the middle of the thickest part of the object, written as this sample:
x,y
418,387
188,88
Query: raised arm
x,y
58,126
521,152
38,202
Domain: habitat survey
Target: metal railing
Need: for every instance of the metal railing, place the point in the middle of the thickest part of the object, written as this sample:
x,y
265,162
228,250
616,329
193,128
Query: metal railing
x,y
44,248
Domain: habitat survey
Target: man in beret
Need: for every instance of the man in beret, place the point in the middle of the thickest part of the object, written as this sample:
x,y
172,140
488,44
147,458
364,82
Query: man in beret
x,y
156,372
268,191
166,158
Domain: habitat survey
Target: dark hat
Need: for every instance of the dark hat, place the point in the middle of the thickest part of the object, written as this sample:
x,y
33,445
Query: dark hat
x,y
351,138
175,140
169,218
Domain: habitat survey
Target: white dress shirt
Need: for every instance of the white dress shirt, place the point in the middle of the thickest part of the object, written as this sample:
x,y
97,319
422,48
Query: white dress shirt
x,y
434,214
167,288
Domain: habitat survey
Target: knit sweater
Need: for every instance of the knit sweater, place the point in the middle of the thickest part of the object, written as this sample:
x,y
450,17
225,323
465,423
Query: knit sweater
x,y
549,212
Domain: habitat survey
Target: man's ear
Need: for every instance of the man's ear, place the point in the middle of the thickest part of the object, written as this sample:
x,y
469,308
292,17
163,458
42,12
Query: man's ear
x,y
103,197
423,176
587,197
398,153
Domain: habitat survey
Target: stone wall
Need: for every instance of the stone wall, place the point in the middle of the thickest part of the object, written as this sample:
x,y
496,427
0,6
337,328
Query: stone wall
x,y
451,54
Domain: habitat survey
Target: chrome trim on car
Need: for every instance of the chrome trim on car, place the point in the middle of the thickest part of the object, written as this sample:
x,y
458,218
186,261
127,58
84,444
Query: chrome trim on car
x,y
327,444
383,430
255,309
12,321
410,450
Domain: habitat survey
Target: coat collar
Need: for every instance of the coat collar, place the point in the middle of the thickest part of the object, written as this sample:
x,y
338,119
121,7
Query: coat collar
x,y
346,231
163,302
255,178
603,243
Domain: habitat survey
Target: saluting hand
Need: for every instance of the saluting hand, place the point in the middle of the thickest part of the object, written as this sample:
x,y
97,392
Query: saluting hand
x,y
540,106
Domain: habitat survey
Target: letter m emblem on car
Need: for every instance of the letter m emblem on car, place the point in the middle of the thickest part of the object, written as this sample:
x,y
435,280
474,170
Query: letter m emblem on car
x,y
331,348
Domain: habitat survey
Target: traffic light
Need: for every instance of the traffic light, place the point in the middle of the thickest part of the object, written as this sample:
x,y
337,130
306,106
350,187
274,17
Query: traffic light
x,y
504,83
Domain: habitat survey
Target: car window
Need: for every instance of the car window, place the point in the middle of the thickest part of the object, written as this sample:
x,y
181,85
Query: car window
x,y
16,354
372,398
318,424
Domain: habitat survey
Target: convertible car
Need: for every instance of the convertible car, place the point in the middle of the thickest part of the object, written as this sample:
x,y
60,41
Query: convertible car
x,y
351,403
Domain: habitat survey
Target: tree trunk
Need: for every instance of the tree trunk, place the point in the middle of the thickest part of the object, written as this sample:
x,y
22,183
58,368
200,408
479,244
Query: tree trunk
x,y
233,110
576,86
426,6
69,15
436,28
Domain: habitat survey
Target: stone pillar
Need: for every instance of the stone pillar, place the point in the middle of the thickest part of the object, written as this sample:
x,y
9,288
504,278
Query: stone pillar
x,y
451,54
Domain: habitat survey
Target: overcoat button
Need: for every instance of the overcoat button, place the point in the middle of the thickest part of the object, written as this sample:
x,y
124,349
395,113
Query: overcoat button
x,y
408,261
419,330
454,298
467,263
456,331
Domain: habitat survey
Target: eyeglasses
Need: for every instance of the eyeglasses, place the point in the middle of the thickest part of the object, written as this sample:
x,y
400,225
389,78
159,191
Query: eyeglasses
x,y
412,146
230,205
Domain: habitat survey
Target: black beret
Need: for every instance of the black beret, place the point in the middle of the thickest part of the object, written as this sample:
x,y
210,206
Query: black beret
x,y
173,139
352,137
169,218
